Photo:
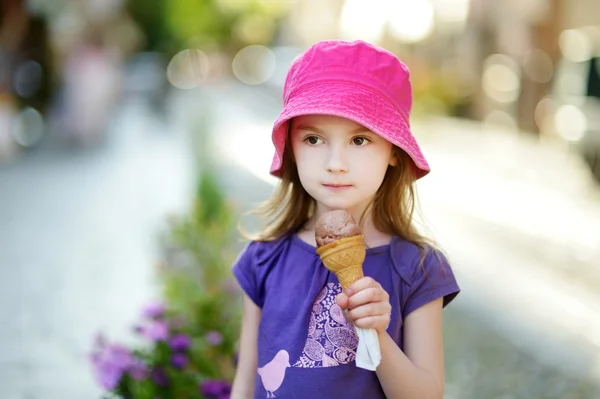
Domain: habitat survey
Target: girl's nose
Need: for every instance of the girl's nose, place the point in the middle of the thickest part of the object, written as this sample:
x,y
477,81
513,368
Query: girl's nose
x,y
337,161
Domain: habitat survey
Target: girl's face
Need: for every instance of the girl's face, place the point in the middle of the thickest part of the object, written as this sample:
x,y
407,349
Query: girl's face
x,y
341,164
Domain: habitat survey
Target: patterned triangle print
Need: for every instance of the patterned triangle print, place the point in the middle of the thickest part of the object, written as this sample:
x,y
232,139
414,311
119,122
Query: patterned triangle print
x,y
331,340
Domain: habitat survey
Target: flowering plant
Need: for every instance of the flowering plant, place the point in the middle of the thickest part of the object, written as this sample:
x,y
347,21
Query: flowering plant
x,y
187,340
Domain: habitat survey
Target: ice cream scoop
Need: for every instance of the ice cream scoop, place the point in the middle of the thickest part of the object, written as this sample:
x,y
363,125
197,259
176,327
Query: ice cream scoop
x,y
334,225
340,246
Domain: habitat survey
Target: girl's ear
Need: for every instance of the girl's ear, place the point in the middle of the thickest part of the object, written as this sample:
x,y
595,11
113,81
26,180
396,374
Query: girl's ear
x,y
393,158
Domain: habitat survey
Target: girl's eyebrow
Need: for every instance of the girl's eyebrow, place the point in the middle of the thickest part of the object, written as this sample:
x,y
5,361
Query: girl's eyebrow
x,y
313,129
309,128
361,130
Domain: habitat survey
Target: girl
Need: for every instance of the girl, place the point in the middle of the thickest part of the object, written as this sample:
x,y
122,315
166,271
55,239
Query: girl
x,y
343,141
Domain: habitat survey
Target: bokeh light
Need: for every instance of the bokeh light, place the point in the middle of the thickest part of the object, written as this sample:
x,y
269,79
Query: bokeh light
x,y
575,45
28,78
500,78
570,122
28,127
538,66
254,64
363,19
188,69
411,20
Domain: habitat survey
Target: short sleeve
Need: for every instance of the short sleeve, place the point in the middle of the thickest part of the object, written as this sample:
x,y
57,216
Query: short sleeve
x,y
244,270
434,279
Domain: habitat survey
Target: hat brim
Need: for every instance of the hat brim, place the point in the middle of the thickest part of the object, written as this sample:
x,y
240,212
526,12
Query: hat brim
x,y
353,102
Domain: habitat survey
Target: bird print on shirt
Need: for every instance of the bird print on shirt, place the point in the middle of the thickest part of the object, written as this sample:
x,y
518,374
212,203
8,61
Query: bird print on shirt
x,y
273,373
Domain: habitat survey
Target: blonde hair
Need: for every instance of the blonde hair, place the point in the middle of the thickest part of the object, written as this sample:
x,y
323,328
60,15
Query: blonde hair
x,y
393,207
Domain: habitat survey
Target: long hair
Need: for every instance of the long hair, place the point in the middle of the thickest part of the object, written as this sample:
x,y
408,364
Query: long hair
x,y
393,206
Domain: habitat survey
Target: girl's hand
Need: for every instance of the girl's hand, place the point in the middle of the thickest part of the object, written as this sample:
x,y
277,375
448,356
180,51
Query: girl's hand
x,y
368,305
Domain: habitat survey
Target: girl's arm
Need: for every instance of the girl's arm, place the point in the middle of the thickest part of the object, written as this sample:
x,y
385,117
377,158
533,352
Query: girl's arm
x,y
243,383
418,372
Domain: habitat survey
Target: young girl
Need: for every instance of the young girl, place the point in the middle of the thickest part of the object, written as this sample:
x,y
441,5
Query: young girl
x,y
343,141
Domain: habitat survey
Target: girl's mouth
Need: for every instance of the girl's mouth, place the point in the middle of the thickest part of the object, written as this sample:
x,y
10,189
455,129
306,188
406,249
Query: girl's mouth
x,y
337,187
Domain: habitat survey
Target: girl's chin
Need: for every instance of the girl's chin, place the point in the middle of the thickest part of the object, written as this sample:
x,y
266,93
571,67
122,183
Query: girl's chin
x,y
352,207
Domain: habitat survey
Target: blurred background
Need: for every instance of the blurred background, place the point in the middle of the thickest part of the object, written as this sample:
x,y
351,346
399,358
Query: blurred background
x,y
113,111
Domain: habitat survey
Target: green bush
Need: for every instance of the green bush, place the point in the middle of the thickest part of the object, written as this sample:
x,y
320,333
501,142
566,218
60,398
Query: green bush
x,y
189,339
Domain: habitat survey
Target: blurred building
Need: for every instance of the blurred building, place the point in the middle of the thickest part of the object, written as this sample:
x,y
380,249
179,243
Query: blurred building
x,y
38,42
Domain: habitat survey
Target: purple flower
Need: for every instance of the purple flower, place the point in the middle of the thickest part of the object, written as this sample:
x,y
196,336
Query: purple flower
x,y
180,342
110,362
179,360
160,377
214,338
218,389
137,370
158,331
154,310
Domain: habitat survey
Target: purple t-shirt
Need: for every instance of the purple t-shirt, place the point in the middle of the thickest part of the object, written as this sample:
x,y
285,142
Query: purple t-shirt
x,y
306,348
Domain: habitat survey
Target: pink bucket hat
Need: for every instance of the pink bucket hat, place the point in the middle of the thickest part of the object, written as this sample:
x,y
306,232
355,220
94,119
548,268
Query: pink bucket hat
x,y
354,80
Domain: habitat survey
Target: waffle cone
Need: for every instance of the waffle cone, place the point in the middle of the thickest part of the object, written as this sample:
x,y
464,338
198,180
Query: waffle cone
x,y
345,258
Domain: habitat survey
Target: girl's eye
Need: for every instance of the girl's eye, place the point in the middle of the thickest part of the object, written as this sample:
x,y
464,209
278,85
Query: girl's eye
x,y
360,141
312,140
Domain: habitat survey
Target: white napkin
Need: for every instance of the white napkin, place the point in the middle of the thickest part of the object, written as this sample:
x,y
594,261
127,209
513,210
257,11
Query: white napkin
x,y
368,353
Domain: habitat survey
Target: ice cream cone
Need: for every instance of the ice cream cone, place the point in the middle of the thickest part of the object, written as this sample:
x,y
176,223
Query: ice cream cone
x,y
345,258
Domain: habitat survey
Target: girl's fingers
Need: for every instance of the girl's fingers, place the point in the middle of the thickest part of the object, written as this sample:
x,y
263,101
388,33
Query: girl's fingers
x,y
342,301
379,322
370,310
361,284
368,295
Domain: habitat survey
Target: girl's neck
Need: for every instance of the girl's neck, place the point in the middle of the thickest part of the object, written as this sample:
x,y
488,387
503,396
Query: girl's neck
x,y
372,236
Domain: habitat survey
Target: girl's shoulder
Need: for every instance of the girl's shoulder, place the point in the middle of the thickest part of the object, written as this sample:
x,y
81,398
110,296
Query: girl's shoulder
x,y
411,260
254,263
425,272
260,252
